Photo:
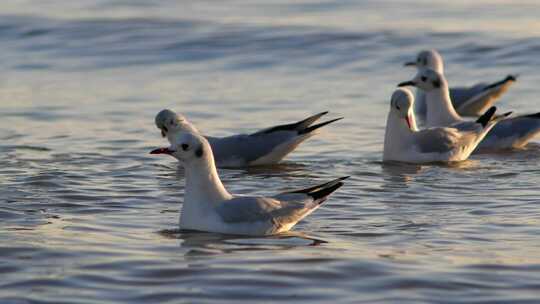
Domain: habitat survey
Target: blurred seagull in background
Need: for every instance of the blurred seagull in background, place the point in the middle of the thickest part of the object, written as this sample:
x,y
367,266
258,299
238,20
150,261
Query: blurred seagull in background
x,y
513,132
468,101
404,142
265,147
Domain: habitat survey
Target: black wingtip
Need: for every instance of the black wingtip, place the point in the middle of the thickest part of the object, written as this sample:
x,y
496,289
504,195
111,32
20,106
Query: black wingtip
x,y
535,115
342,178
508,78
510,113
313,189
308,121
317,126
323,193
486,117
297,126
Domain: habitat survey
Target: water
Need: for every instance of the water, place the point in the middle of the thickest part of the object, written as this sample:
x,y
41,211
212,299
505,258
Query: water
x,y
88,216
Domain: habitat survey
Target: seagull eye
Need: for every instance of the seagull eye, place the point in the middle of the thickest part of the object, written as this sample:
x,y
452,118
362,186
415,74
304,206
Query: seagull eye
x,y
397,107
424,78
185,147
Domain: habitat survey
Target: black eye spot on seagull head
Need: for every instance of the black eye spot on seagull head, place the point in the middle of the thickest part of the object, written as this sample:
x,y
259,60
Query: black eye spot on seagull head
x,y
423,78
185,147
199,152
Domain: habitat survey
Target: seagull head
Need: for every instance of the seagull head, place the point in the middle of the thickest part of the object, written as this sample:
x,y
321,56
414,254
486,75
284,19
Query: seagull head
x,y
427,80
189,148
170,122
401,105
428,59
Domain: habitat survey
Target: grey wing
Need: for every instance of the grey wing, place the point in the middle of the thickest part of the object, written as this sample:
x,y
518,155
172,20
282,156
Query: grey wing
x,y
295,206
467,126
514,131
256,209
461,95
248,148
247,209
475,100
437,140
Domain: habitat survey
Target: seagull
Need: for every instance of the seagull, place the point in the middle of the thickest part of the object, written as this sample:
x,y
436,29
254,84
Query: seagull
x,y
209,207
404,142
468,101
265,147
513,132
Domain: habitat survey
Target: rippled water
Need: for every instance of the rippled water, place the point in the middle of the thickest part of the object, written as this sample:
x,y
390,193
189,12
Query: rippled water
x,y
87,216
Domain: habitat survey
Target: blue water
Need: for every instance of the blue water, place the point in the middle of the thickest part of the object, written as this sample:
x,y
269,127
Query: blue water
x,y
88,216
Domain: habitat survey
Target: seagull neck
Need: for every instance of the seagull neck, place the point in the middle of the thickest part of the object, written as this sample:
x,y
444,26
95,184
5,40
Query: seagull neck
x,y
397,136
203,185
189,127
440,110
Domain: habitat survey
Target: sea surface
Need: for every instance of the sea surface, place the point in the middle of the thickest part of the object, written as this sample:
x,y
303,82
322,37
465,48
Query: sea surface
x,y
88,216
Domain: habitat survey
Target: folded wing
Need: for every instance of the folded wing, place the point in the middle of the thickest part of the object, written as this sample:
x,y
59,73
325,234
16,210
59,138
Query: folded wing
x,y
473,101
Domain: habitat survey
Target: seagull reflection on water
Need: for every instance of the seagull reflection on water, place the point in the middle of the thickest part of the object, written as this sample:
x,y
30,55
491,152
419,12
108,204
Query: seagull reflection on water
x,y
399,174
206,243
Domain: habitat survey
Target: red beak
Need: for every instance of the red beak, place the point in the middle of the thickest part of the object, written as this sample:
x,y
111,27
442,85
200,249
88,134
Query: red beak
x,y
409,122
162,151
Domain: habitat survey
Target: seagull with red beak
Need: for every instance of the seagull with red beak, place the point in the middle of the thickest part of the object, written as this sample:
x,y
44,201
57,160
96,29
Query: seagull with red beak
x,y
515,132
209,207
404,142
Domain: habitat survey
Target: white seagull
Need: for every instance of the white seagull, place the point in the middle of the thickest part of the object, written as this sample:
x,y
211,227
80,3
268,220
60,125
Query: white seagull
x,y
265,147
468,101
208,206
405,143
513,132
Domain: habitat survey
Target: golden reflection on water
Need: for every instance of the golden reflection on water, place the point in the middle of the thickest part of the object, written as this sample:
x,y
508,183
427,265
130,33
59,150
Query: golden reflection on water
x,y
400,174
